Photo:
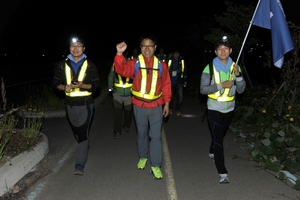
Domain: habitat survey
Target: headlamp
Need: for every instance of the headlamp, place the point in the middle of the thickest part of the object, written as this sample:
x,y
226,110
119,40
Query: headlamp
x,y
74,39
223,41
224,38
77,39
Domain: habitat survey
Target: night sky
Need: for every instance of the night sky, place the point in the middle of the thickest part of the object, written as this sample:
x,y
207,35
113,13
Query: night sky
x,y
32,27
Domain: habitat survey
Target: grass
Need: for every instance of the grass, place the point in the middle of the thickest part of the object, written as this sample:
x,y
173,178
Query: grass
x,y
14,140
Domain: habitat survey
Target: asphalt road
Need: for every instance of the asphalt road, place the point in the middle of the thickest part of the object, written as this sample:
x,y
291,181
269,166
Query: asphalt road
x,y
111,173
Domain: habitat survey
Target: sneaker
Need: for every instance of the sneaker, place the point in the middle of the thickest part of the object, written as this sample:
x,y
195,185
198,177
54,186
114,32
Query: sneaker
x,y
142,163
212,156
79,169
156,172
224,178
117,135
127,129
78,172
178,114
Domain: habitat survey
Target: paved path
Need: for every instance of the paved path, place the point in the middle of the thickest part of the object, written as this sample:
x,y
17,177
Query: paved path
x,y
111,174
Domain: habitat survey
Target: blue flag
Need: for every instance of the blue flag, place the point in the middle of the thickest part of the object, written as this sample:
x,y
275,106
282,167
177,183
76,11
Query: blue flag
x,y
270,15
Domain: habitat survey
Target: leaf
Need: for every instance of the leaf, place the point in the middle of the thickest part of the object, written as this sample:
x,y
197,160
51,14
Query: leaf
x,y
297,185
249,111
274,166
266,142
267,135
281,175
275,125
281,133
293,167
292,149
295,128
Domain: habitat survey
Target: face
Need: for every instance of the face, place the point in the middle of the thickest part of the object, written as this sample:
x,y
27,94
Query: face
x,y
223,52
148,48
76,49
176,55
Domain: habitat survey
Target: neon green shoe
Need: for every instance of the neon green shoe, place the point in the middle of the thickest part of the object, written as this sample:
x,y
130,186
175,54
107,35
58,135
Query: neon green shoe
x,y
142,163
156,172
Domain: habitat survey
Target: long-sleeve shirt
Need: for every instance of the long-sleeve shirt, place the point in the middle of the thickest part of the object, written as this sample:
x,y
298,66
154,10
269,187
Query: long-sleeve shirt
x,y
163,83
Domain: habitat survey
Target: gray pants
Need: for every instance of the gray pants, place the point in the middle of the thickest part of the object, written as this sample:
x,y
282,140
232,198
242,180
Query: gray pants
x,y
149,119
80,118
122,104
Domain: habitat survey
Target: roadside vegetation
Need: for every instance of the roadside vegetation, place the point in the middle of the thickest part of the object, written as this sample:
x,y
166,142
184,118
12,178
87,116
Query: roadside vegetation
x,y
267,115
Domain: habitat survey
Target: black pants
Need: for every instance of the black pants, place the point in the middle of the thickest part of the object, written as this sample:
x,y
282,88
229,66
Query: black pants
x,y
219,124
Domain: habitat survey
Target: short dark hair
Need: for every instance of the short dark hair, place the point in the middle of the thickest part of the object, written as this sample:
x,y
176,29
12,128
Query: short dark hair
x,y
223,41
149,37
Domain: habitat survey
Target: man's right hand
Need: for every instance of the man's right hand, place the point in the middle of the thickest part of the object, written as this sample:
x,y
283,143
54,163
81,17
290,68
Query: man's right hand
x,y
121,47
227,84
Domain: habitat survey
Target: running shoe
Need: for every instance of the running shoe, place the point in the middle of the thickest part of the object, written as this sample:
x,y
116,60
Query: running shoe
x,y
117,135
224,178
155,170
79,169
142,163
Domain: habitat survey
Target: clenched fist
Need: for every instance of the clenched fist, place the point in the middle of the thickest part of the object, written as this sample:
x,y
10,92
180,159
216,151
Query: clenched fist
x,y
121,47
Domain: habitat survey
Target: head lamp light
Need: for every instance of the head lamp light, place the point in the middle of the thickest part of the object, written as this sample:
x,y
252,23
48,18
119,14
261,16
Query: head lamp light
x,y
224,38
77,39
223,41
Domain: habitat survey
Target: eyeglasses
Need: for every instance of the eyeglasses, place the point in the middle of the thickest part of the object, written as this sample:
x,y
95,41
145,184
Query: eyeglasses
x,y
149,46
78,46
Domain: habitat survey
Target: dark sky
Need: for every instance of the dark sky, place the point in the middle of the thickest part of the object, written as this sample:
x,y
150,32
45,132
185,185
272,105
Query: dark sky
x,y
37,27
43,26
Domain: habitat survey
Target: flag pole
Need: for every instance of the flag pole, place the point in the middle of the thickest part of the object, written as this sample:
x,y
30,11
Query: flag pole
x,y
237,60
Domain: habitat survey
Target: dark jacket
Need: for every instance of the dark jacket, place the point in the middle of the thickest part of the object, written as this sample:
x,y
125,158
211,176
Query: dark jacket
x,y
178,71
91,77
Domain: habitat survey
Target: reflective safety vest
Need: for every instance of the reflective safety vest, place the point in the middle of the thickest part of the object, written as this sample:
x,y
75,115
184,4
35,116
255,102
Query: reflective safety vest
x,y
76,92
121,84
155,75
181,64
225,95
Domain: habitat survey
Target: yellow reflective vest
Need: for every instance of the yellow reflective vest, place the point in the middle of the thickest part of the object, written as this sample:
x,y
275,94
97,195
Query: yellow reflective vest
x,y
224,96
155,75
76,92
181,64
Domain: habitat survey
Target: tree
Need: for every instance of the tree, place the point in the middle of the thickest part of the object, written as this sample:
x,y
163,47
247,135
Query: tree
x,y
234,22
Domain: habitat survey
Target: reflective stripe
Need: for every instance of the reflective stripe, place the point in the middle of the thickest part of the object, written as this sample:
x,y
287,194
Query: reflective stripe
x,y
143,93
121,84
76,91
225,95
181,65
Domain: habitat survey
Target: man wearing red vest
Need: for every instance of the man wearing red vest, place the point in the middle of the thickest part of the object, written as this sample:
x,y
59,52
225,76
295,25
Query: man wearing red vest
x,y
151,95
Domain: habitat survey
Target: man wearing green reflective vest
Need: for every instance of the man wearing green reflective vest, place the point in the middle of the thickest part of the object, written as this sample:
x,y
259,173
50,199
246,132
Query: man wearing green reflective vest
x,y
220,81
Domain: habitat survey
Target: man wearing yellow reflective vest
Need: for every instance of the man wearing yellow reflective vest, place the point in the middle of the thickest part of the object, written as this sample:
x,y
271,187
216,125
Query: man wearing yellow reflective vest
x,y
120,87
78,77
220,81
178,75
151,92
